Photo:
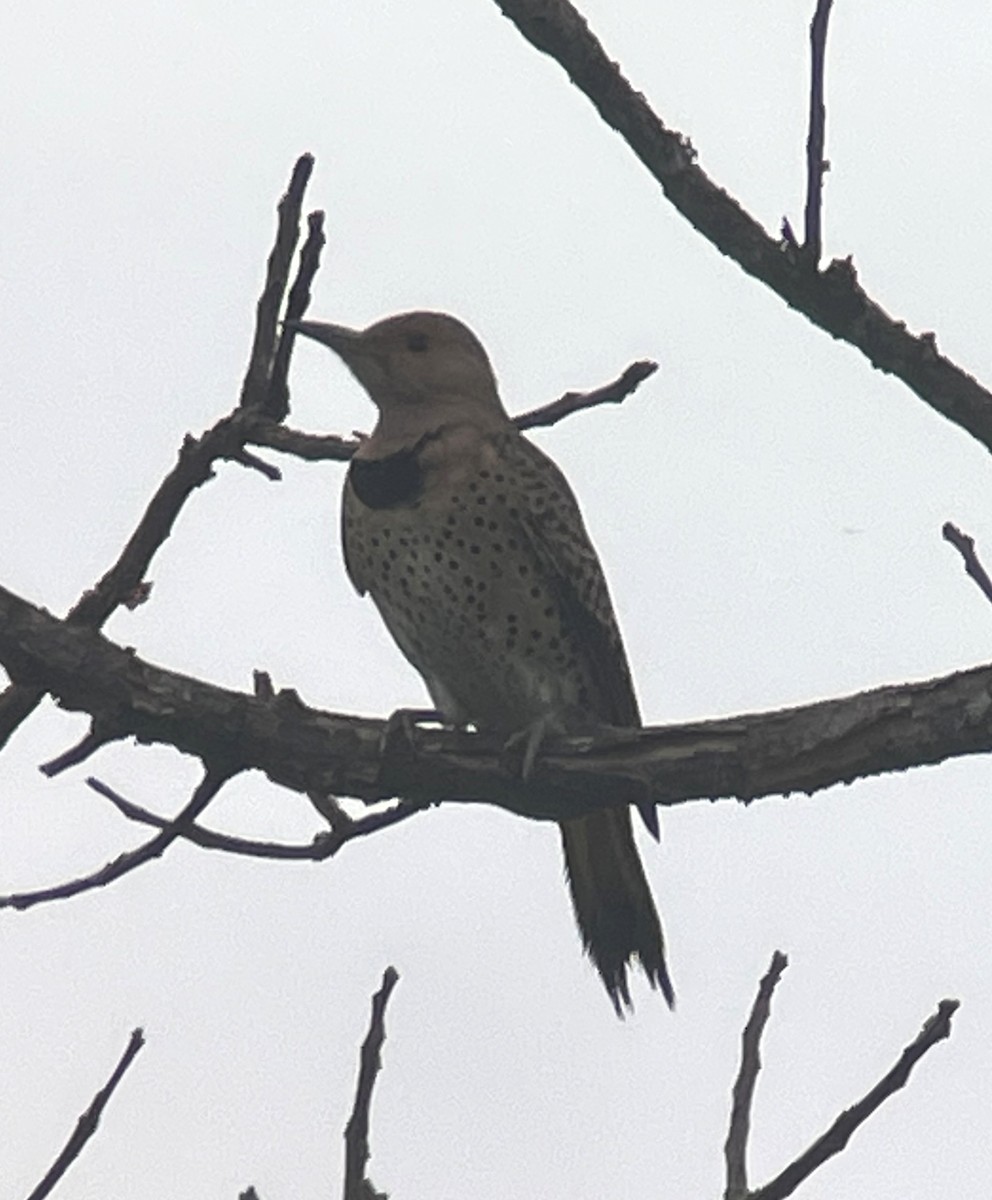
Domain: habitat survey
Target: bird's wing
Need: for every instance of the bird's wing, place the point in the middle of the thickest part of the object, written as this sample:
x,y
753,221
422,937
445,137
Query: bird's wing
x,y
551,520
351,560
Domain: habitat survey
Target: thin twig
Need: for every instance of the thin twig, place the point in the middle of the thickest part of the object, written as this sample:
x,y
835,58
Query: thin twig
x,y
254,463
571,402
255,389
87,1123
311,447
79,753
735,1148
325,845
965,545
329,447
816,164
213,780
837,1136
277,403
195,466
356,1134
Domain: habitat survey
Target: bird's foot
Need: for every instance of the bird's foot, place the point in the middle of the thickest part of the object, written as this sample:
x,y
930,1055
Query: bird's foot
x,y
397,733
520,750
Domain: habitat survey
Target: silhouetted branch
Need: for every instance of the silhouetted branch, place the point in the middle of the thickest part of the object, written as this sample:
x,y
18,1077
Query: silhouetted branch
x,y
837,1136
277,405
212,782
329,447
226,440
816,165
965,546
325,845
356,1135
255,391
832,299
87,1123
84,749
758,754
735,1148
611,393
311,447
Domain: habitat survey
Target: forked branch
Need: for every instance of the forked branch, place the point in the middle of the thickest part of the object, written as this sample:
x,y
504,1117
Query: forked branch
x,y
839,1133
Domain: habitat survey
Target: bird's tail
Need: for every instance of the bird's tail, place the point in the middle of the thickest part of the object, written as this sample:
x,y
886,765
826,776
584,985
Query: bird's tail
x,y
613,904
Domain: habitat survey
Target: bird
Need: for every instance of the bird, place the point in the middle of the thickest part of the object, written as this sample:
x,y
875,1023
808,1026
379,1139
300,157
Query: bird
x,y
471,544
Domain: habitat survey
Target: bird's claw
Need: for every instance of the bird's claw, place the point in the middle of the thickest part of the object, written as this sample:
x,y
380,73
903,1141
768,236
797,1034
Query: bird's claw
x,y
520,750
397,732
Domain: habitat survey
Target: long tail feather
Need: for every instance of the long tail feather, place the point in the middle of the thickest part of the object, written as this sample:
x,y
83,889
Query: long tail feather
x,y
613,905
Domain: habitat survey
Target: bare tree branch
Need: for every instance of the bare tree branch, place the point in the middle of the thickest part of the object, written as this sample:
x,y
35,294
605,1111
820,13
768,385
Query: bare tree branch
x,y
735,1148
965,546
226,439
87,1123
277,404
837,1136
324,845
210,785
93,741
356,1135
255,391
611,393
798,749
323,447
815,163
832,299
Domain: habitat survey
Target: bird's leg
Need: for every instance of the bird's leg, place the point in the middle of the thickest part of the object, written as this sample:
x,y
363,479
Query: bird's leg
x,y
522,748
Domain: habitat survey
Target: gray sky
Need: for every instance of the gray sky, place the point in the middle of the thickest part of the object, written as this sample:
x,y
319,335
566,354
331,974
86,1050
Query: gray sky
x,y
768,509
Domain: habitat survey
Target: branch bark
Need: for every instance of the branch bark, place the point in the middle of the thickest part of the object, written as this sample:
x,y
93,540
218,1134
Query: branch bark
x,y
263,392
735,1148
832,299
87,1124
357,1185
759,754
833,1141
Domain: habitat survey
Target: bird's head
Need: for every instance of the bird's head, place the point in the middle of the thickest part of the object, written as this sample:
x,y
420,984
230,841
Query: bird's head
x,y
422,370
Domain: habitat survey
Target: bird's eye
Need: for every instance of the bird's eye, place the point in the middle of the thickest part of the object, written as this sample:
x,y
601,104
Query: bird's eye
x,y
416,342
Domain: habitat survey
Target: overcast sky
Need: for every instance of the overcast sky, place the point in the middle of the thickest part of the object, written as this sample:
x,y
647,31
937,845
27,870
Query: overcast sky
x,y
768,509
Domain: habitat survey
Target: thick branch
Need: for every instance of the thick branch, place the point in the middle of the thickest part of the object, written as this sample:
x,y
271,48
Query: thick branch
x,y
797,749
832,299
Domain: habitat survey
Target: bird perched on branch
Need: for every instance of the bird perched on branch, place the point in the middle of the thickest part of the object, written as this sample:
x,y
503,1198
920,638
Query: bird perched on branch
x,y
470,542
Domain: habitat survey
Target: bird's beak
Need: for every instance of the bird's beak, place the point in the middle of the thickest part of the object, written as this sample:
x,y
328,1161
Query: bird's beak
x,y
360,355
340,338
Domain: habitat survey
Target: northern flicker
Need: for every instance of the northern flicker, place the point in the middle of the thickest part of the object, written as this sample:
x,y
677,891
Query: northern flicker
x,y
471,544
